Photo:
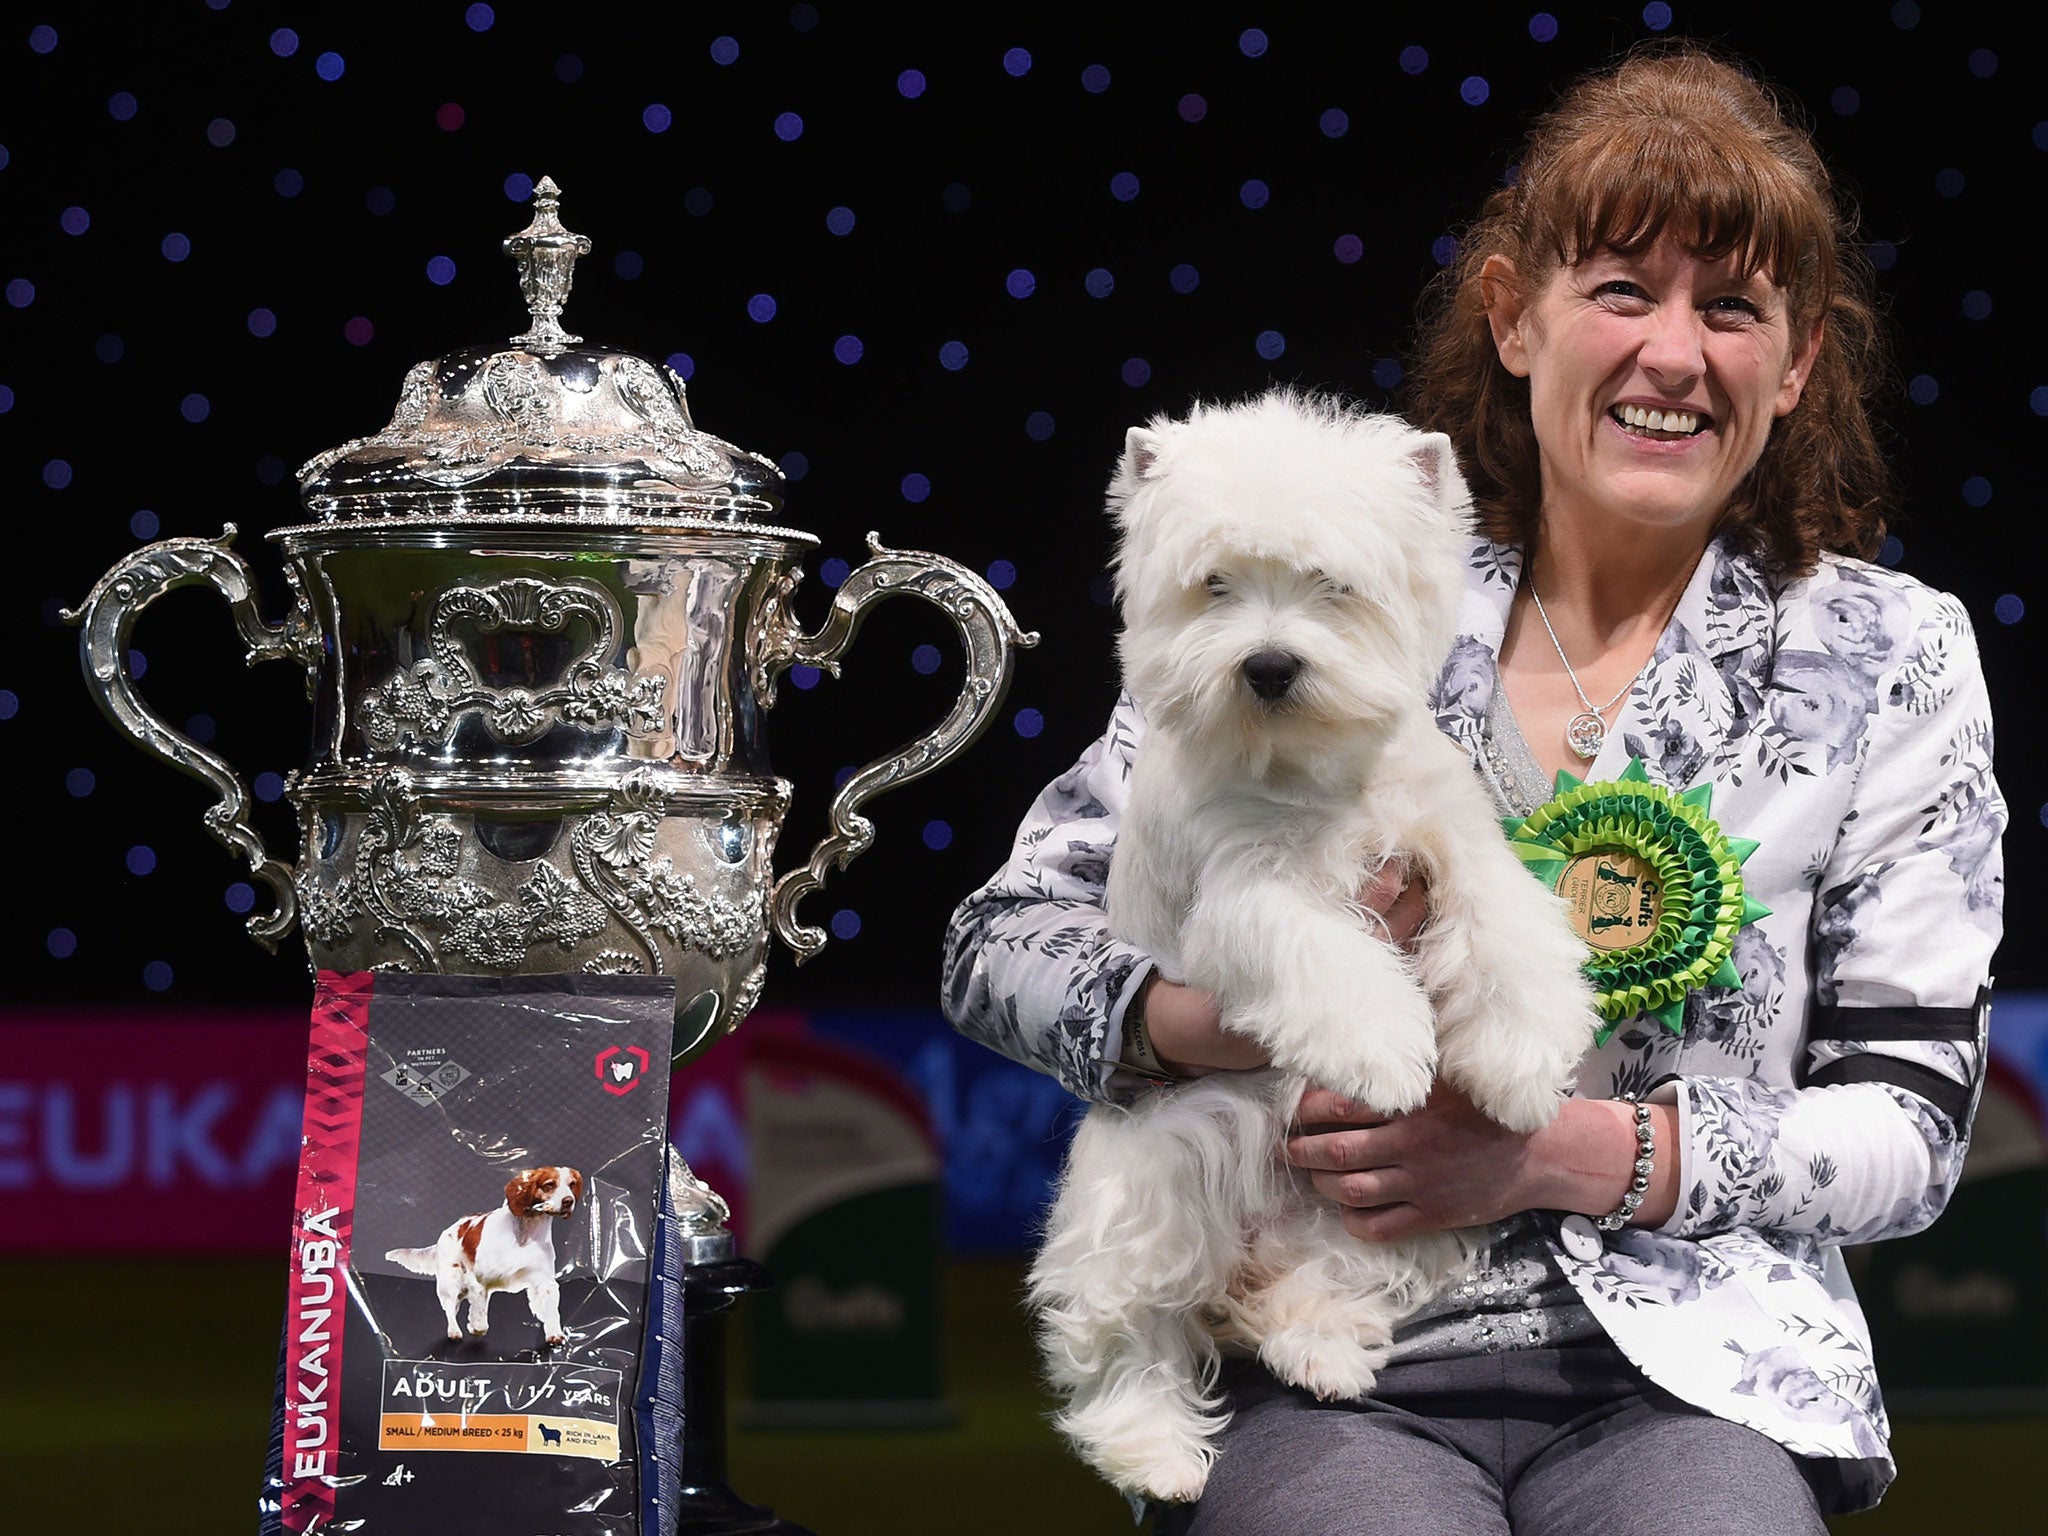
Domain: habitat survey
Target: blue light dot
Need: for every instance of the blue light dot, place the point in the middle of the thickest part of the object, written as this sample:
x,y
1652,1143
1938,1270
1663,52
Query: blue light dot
x,y
1348,249
953,356
1977,491
122,106
1656,15
195,408
697,202
937,836
1414,59
4,157
1883,255
1192,108
141,859
109,349
655,117
839,779
910,84
288,182
284,42
2040,139
1386,373
202,728
440,271
1123,186
761,308
1949,182
79,783
925,659
804,18
1254,193
629,265
1184,279
1977,304
1891,551
1038,426
6,399
1017,62
1543,26
1845,99
74,221
329,66
848,350
157,976
138,665
915,487
845,923
1443,250
518,187
175,247
62,943
269,787
10,704
840,220
240,896
1924,389
57,474
21,293
1020,284
724,50
144,524
1905,15
1251,42
682,365
1027,723
569,69
1137,372
956,198
2010,608
833,572
1002,575
1095,79
1473,90
269,469
220,133
42,39
1335,123
1100,283
794,466
1983,63
2038,400
479,17
1270,344
789,127
804,677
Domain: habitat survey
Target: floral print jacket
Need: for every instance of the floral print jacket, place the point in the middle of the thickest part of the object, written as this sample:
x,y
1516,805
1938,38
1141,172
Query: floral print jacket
x,y
1843,722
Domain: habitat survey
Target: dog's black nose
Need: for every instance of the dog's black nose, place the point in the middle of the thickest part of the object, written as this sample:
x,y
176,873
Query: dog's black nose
x,y
1271,673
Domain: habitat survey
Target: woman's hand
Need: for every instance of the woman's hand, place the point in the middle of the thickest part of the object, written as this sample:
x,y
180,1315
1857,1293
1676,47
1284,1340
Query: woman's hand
x,y
1186,1026
1446,1165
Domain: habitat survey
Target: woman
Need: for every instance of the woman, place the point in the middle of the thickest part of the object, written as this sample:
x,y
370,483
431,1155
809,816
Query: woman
x,y
1653,353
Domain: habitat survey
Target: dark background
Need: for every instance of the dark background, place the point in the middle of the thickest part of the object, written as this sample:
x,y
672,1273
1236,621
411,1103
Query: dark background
x,y
325,202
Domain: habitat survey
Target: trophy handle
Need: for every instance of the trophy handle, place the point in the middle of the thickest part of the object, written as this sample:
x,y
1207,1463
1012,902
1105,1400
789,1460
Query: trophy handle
x,y
991,638
108,615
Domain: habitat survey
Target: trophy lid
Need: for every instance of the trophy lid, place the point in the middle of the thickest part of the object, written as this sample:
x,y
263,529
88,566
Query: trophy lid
x,y
543,430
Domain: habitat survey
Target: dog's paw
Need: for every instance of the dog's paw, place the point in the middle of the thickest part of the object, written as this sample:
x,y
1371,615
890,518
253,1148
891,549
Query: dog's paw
x,y
557,1338
476,1333
454,1333
1149,1444
1334,1369
1520,1103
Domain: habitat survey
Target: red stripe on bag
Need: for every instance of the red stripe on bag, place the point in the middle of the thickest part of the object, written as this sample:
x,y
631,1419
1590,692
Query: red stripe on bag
x,y
323,1217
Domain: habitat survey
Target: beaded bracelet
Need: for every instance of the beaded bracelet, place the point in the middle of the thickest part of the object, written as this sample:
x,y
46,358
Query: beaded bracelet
x,y
1639,1182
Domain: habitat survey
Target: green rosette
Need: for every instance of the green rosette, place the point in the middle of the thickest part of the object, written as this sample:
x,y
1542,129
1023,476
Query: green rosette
x,y
1655,886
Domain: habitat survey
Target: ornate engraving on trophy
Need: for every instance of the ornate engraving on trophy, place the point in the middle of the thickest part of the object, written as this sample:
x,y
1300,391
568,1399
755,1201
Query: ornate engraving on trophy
x,y
423,704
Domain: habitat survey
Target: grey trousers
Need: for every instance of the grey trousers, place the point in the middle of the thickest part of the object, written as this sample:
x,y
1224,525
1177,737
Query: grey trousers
x,y
1567,1441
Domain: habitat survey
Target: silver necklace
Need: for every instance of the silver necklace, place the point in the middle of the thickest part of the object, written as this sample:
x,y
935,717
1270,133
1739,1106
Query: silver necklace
x,y
1585,732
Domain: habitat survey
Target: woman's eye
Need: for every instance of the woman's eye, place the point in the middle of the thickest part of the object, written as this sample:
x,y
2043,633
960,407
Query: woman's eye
x,y
1621,288
1736,306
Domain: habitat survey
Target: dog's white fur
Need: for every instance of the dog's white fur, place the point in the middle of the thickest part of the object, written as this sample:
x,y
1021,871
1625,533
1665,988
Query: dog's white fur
x,y
509,1249
1287,526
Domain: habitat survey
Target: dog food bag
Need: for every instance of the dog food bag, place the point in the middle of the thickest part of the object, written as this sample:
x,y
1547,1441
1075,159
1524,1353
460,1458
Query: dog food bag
x,y
475,1313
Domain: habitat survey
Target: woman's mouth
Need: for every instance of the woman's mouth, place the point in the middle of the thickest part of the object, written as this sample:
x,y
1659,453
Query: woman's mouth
x,y
1659,426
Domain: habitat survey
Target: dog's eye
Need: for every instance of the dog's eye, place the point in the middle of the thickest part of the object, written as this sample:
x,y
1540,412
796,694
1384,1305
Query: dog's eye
x,y
1217,586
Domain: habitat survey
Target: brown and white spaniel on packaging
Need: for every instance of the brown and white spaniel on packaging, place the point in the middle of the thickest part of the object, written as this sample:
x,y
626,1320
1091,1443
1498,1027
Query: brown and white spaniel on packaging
x,y
509,1249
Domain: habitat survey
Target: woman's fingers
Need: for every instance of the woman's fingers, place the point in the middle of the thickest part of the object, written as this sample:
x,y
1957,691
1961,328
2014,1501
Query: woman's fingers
x,y
1362,1190
1319,1106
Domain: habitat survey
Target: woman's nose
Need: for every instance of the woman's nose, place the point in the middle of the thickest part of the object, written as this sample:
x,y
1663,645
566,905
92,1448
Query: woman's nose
x,y
1672,351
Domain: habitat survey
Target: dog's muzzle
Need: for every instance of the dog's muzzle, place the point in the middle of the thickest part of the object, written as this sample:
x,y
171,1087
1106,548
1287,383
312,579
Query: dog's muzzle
x,y
1271,673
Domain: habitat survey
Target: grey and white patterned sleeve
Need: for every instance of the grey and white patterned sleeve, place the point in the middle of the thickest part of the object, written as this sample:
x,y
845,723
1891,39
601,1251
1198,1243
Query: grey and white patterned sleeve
x,y
1030,967
1906,917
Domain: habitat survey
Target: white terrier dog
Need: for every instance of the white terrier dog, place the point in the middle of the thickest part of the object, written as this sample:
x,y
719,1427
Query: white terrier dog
x,y
1290,576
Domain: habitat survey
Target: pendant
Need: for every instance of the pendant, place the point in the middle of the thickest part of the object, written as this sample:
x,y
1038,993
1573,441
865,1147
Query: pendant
x,y
1587,734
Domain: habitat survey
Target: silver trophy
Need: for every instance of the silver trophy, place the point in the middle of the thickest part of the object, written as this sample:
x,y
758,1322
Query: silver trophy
x,y
542,617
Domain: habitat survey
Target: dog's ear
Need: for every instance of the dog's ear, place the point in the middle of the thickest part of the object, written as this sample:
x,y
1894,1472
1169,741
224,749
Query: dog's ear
x,y
518,1195
1437,462
576,1184
1141,452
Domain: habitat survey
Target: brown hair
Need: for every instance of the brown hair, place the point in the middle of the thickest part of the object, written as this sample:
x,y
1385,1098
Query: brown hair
x,y
1673,138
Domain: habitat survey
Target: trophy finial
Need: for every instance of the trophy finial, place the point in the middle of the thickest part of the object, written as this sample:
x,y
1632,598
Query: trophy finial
x,y
546,254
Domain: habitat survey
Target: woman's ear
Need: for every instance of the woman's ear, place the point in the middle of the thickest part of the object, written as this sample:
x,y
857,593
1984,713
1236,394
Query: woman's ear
x,y
1500,289
1798,371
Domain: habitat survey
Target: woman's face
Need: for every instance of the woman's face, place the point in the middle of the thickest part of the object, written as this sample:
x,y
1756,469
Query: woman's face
x,y
1615,338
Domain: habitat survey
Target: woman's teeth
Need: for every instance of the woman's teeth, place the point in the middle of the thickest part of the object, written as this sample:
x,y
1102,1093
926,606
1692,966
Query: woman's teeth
x,y
1640,418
